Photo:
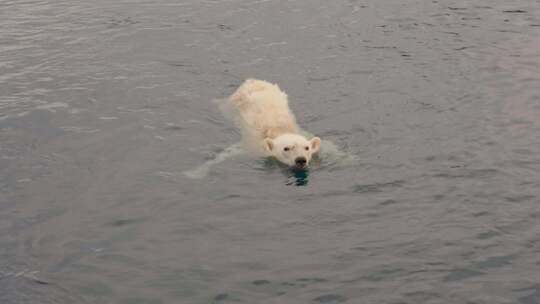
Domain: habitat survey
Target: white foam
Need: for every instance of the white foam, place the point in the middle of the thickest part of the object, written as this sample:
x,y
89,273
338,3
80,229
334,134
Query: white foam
x,y
202,170
52,106
331,155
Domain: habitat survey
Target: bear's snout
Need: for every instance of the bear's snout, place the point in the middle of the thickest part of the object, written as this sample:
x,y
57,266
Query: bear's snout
x,y
300,162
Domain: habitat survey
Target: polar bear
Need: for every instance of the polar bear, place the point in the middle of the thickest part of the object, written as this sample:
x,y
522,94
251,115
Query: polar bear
x,y
268,126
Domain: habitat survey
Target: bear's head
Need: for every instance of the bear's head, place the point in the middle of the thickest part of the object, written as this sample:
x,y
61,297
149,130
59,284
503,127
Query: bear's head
x,y
292,149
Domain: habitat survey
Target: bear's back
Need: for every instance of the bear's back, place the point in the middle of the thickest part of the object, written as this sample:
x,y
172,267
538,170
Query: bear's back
x,y
263,108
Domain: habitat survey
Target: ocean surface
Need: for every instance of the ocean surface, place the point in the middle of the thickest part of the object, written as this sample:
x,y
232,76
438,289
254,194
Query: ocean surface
x,y
105,104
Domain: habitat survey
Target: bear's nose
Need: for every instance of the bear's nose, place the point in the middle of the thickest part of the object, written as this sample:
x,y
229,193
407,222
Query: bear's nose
x,y
300,161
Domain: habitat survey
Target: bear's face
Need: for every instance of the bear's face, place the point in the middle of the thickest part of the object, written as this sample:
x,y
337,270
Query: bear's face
x,y
292,149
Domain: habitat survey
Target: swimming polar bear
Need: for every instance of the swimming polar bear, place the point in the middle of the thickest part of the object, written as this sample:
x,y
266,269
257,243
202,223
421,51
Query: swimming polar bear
x,y
261,111
268,126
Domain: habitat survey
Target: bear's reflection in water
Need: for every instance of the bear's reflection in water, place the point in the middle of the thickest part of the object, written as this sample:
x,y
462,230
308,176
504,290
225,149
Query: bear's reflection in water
x,y
298,177
294,176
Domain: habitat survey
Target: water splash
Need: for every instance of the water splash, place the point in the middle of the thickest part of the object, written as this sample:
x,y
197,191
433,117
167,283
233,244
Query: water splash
x,y
329,156
202,170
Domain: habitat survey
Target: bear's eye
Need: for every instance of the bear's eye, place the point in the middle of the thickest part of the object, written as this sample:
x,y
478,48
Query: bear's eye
x,y
286,149
307,148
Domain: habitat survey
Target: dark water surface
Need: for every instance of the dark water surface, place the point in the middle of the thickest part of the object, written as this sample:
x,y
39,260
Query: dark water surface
x,y
103,105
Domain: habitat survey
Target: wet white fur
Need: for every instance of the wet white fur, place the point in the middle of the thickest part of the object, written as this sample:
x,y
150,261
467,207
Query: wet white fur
x,y
268,125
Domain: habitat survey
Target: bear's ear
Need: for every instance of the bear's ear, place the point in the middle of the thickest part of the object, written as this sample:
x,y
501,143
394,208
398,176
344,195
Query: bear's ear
x,y
268,144
315,144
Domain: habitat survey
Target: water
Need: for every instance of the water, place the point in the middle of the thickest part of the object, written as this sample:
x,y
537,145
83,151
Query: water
x,y
105,104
